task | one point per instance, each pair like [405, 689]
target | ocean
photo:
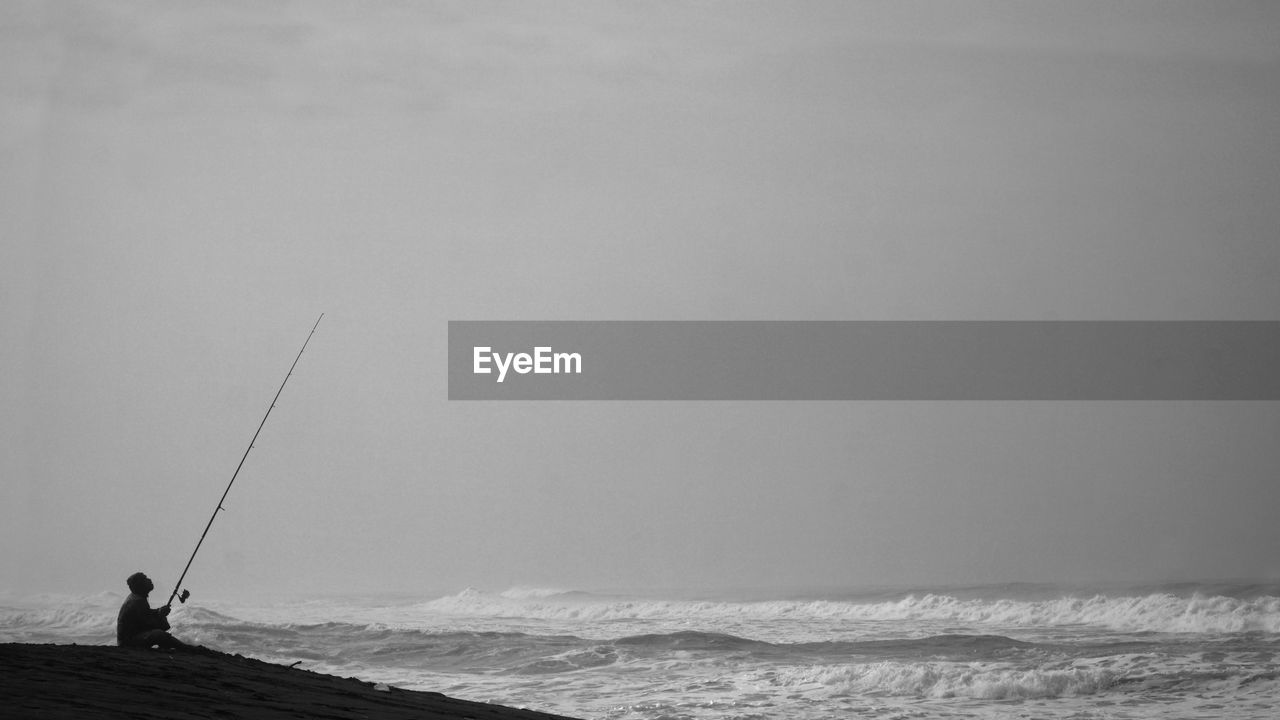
[1011, 651]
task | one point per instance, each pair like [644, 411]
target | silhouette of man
[138, 625]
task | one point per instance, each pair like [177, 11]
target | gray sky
[184, 187]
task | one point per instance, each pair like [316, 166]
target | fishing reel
[182, 597]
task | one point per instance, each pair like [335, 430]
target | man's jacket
[136, 617]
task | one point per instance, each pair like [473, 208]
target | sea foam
[943, 680]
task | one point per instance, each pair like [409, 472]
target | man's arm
[158, 618]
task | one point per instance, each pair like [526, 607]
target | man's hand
[164, 610]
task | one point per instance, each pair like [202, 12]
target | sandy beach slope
[91, 681]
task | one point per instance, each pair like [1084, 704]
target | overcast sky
[185, 186]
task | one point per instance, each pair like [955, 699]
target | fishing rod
[186, 594]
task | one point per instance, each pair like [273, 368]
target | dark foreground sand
[94, 681]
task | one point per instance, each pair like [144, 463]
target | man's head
[140, 584]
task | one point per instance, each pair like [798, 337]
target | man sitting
[138, 625]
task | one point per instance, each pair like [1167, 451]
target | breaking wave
[89, 619]
[1156, 612]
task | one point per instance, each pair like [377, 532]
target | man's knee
[152, 638]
